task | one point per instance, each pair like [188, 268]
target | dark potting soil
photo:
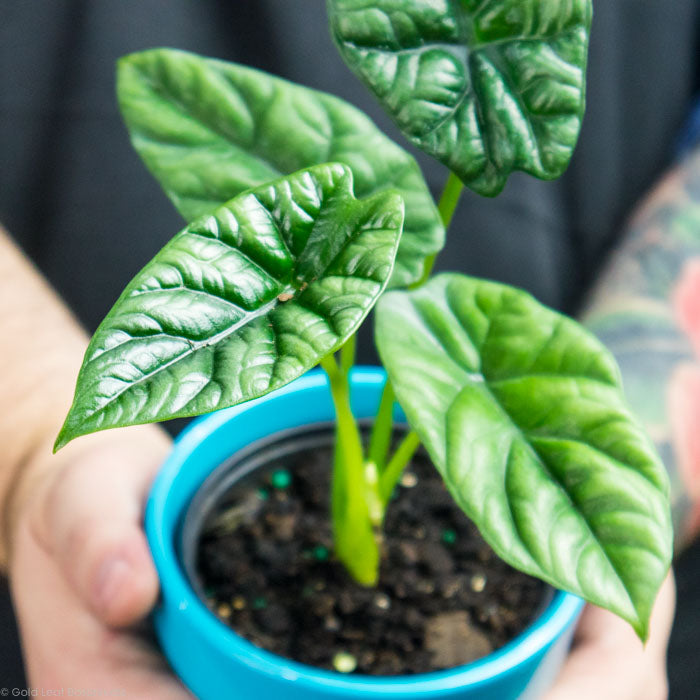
[443, 597]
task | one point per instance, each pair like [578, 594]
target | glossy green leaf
[522, 412]
[485, 86]
[208, 130]
[240, 302]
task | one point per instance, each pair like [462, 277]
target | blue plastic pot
[216, 663]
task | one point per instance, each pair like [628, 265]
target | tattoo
[646, 308]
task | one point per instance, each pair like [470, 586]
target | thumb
[89, 521]
[609, 661]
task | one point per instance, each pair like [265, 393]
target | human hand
[607, 660]
[81, 573]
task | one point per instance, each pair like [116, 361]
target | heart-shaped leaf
[522, 412]
[240, 302]
[485, 86]
[209, 130]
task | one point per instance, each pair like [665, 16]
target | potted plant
[302, 218]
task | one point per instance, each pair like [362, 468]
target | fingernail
[111, 576]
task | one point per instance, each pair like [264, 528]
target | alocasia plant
[300, 213]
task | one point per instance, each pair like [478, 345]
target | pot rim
[162, 530]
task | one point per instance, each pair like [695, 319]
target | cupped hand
[608, 662]
[82, 580]
[81, 573]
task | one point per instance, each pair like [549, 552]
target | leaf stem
[391, 475]
[446, 208]
[347, 354]
[382, 428]
[449, 199]
[355, 542]
[346, 425]
[329, 365]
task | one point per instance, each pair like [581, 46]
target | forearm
[41, 346]
[646, 309]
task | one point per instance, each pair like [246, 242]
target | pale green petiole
[380, 439]
[355, 539]
[391, 475]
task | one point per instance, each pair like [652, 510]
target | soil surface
[443, 597]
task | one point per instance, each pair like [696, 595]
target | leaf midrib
[194, 346]
[520, 433]
[168, 97]
[468, 37]
[188, 114]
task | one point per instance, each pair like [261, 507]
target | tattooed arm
[646, 309]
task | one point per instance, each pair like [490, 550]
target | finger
[90, 521]
[608, 661]
[66, 646]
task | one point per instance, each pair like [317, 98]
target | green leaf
[485, 86]
[240, 302]
[522, 412]
[209, 130]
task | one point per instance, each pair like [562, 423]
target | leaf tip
[125, 64]
[641, 628]
[68, 432]
[61, 441]
[396, 199]
[393, 203]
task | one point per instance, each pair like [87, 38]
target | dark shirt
[78, 200]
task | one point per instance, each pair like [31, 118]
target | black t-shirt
[78, 200]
